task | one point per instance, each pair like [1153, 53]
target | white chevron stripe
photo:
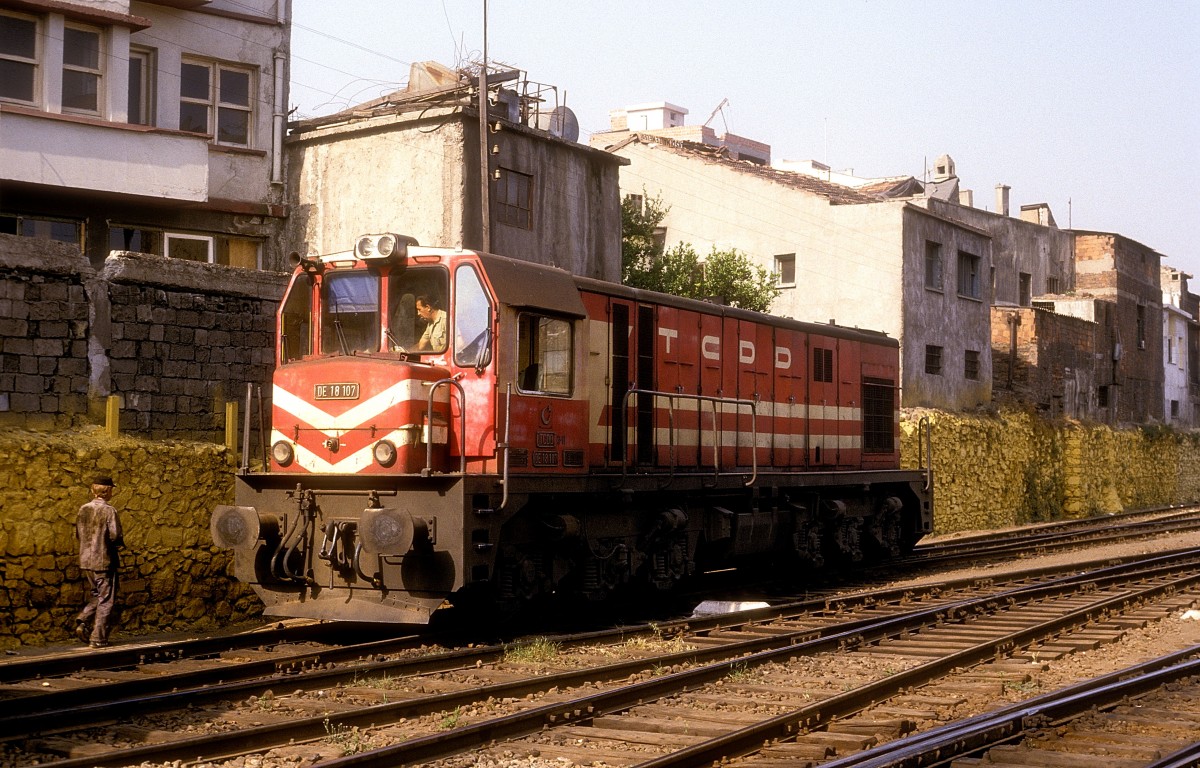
[331, 425]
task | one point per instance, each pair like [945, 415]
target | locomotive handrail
[505, 446]
[925, 445]
[462, 414]
[714, 402]
[246, 430]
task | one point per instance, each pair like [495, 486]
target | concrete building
[1181, 341]
[145, 126]
[839, 255]
[410, 163]
[667, 121]
[1029, 259]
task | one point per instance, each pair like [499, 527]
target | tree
[725, 276]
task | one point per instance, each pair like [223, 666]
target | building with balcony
[146, 126]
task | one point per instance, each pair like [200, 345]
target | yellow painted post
[112, 415]
[231, 425]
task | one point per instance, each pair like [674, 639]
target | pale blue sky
[1092, 107]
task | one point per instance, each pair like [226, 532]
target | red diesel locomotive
[451, 425]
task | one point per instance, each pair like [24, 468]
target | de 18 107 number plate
[335, 391]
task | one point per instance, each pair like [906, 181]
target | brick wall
[1053, 364]
[173, 339]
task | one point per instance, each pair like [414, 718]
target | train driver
[434, 338]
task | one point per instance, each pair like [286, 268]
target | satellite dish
[564, 124]
[560, 122]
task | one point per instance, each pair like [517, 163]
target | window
[350, 313]
[1102, 397]
[205, 88]
[18, 58]
[216, 249]
[190, 247]
[637, 202]
[822, 368]
[933, 265]
[1141, 326]
[1025, 288]
[968, 275]
[544, 354]
[933, 359]
[472, 320]
[141, 87]
[785, 269]
[1174, 409]
[295, 333]
[514, 198]
[236, 252]
[879, 419]
[132, 239]
[59, 230]
[81, 74]
[1051, 285]
[971, 364]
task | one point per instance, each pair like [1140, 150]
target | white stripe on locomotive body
[687, 439]
[363, 458]
[782, 411]
[356, 417]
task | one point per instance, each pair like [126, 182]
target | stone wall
[173, 339]
[172, 577]
[992, 471]
[1013, 467]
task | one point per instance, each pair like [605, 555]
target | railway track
[1050, 537]
[333, 709]
[1144, 716]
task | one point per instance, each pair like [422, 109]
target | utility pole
[484, 174]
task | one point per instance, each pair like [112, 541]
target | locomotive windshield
[366, 311]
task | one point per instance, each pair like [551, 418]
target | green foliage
[726, 276]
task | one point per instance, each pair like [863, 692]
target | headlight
[385, 453]
[282, 453]
[365, 248]
[385, 245]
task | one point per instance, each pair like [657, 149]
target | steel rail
[760, 650]
[1176, 511]
[40, 712]
[1189, 521]
[747, 739]
[989, 728]
[532, 720]
[132, 655]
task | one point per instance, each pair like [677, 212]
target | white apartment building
[146, 126]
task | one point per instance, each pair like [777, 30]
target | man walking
[98, 529]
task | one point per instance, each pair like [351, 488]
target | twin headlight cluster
[385, 246]
[284, 452]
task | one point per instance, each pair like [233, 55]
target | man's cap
[103, 480]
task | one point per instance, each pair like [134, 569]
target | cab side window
[545, 354]
[295, 336]
[472, 320]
